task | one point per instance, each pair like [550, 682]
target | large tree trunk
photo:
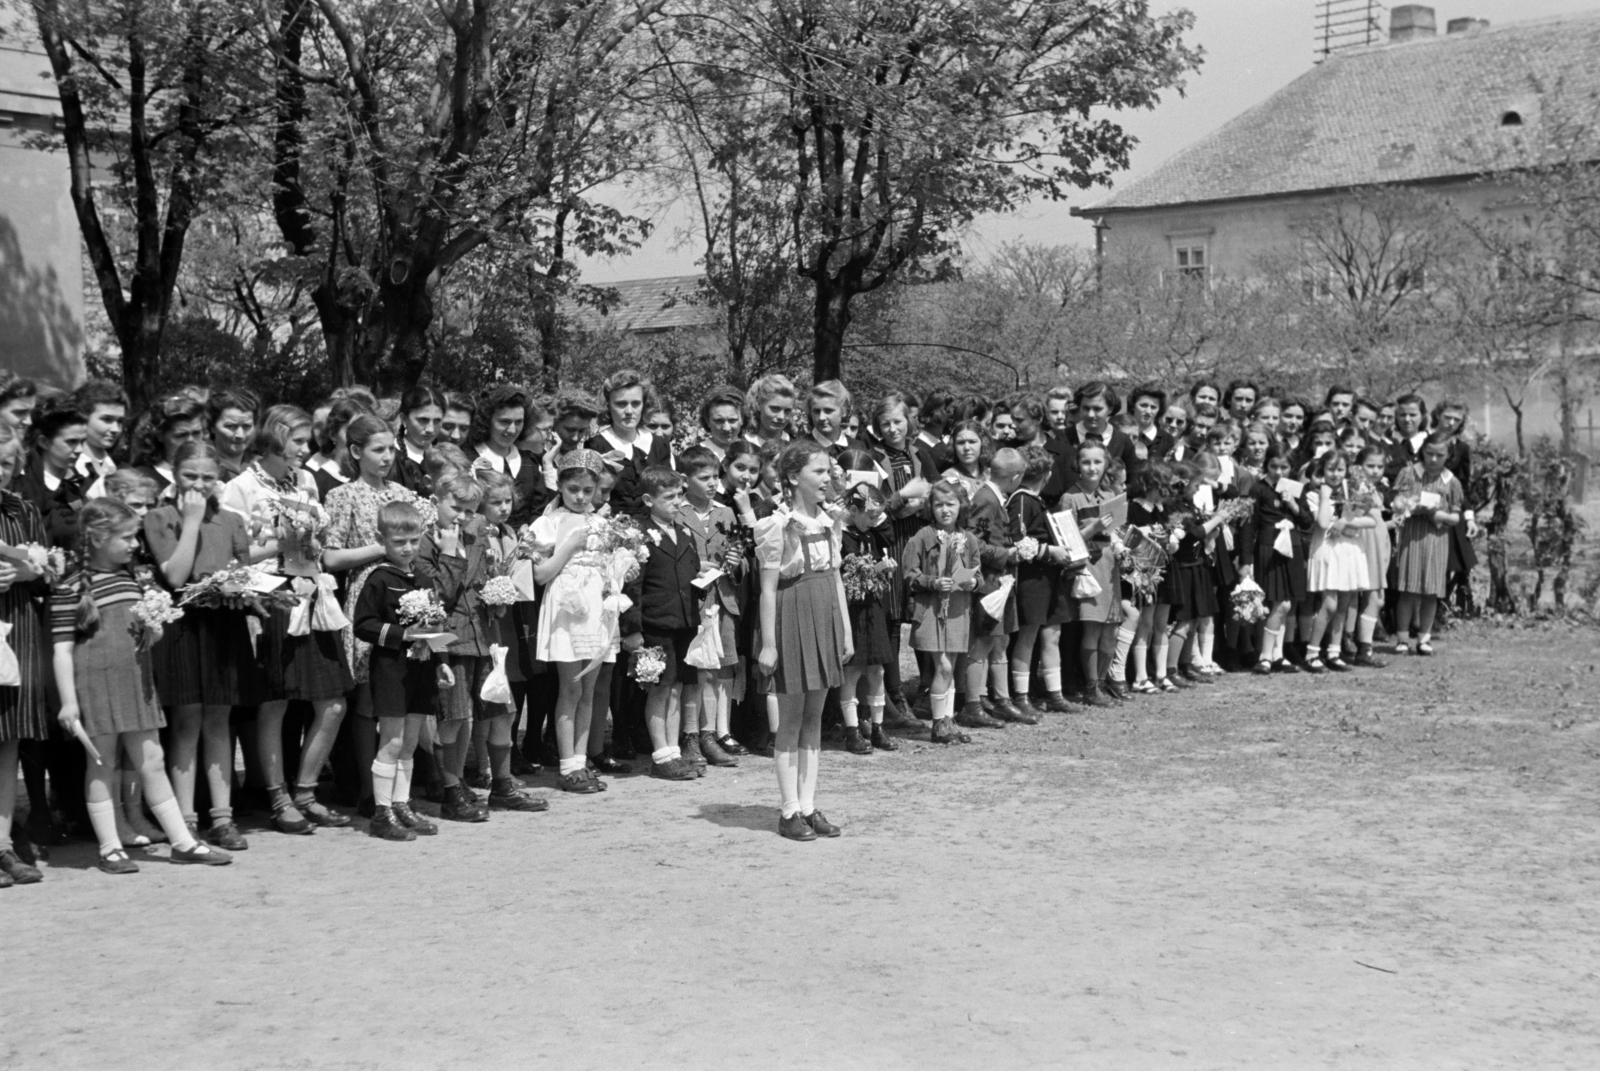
[830, 319]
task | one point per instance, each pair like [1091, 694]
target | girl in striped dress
[104, 675]
[1431, 503]
[22, 705]
[804, 639]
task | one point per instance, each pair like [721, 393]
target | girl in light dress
[576, 626]
[1424, 545]
[1337, 569]
[805, 638]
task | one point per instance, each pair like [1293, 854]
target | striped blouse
[109, 589]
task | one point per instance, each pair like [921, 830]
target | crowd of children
[427, 598]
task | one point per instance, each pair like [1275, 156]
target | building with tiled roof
[1425, 109]
[652, 306]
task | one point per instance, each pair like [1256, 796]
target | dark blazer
[408, 473]
[664, 599]
[1400, 456]
[59, 508]
[1065, 451]
[625, 495]
[988, 520]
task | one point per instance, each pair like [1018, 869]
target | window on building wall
[1192, 263]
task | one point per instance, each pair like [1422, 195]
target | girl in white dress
[1337, 568]
[577, 620]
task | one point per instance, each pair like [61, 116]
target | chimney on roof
[1466, 25]
[1410, 22]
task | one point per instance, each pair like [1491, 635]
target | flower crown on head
[581, 458]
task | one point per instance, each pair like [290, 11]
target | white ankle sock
[1052, 679]
[875, 707]
[1366, 625]
[572, 765]
[942, 704]
[170, 816]
[103, 816]
[383, 778]
[662, 754]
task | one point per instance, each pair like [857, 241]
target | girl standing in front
[275, 491]
[1337, 569]
[1431, 504]
[1099, 611]
[1272, 553]
[941, 569]
[104, 675]
[804, 639]
[23, 715]
[866, 539]
[204, 664]
[575, 624]
[1369, 484]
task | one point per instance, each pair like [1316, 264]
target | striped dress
[903, 466]
[22, 708]
[114, 679]
[1423, 556]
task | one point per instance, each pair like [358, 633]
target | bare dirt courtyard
[1391, 869]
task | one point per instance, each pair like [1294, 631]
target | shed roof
[1408, 112]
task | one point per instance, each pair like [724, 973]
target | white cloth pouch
[10, 671]
[705, 650]
[994, 603]
[496, 686]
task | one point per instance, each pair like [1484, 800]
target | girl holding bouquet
[1430, 502]
[941, 569]
[279, 498]
[805, 641]
[1369, 485]
[868, 570]
[204, 663]
[108, 691]
[1272, 552]
[575, 626]
[22, 703]
[1097, 602]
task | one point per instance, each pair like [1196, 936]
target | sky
[1253, 48]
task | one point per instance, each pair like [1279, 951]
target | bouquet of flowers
[421, 610]
[529, 549]
[1142, 554]
[47, 562]
[1237, 510]
[1027, 549]
[952, 546]
[626, 543]
[1249, 603]
[738, 538]
[648, 664]
[243, 587]
[499, 592]
[864, 577]
[151, 615]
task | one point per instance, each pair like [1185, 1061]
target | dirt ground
[1393, 869]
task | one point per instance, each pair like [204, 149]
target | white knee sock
[402, 780]
[1052, 679]
[1366, 625]
[1119, 661]
[875, 706]
[806, 778]
[1271, 644]
[787, 764]
[103, 816]
[1021, 681]
[941, 704]
[1208, 640]
[170, 816]
[847, 707]
[997, 679]
[1141, 660]
[383, 778]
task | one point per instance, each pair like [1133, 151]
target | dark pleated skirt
[869, 629]
[206, 658]
[811, 634]
[302, 667]
[1191, 590]
[1282, 580]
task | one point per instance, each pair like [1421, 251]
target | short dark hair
[98, 392]
[696, 459]
[659, 478]
[725, 396]
[399, 518]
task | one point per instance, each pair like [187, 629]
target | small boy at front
[665, 614]
[403, 686]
